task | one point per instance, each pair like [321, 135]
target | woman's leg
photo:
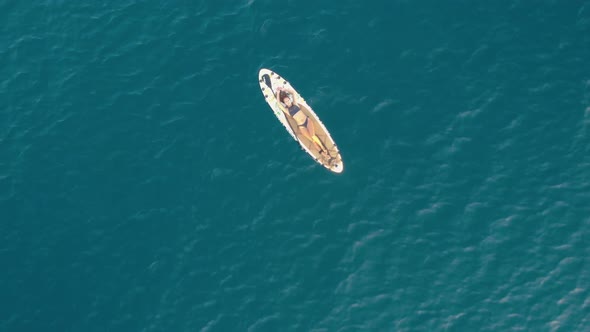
[311, 130]
[307, 135]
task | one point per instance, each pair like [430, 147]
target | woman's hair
[282, 95]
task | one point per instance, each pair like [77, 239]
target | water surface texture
[145, 185]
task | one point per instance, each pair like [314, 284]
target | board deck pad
[332, 160]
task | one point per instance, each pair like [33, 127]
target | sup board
[322, 147]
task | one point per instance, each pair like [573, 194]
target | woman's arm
[294, 95]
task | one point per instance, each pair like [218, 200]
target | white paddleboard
[328, 155]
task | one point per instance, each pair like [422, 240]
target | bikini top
[294, 109]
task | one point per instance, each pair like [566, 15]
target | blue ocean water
[145, 185]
